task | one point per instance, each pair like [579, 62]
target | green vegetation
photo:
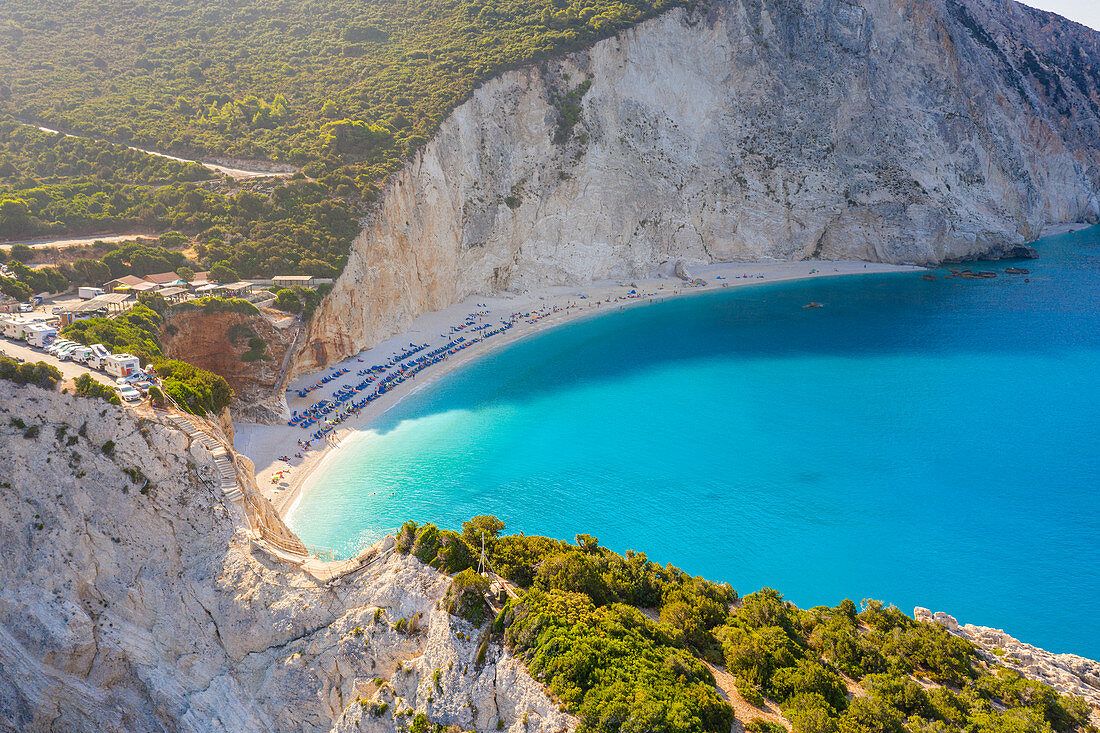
[216, 305]
[350, 86]
[39, 373]
[624, 642]
[256, 348]
[42, 280]
[466, 596]
[88, 387]
[299, 299]
[195, 390]
[53, 184]
[135, 332]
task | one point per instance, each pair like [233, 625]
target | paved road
[69, 369]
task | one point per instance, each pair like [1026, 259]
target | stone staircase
[227, 477]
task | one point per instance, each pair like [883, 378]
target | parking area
[69, 369]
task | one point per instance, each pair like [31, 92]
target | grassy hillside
[291, 80]
[623, 643]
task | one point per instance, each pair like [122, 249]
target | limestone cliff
[886, 130]
[1069, 674]
[130, 599]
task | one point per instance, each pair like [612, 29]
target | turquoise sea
[923, 443]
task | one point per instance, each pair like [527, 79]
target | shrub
[484, 526]
[466, 596]
[93, 389]
[38, 373]
[196, 390]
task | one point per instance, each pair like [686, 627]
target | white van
[80, 354]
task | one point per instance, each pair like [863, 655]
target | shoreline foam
[264, 443]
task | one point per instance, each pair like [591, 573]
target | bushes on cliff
[136, 332]
[466, 596]
[91, 388]
[612, 667]
[215, 304]
[38, 373]
[196, 390]
[579, 629]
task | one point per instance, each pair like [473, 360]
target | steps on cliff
[227, 477]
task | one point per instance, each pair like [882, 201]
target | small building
[107, 303]
[209, 289]
[121, 365]
[39, 334]
[238, 289]
[164, 279]
[123, 283]
[143, 287]
[173, 294]
[289, 281]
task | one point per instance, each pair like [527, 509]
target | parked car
[58, 345]
[26, 307]
[58, 309]
[129, 394]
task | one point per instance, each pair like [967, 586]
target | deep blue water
[923, 443]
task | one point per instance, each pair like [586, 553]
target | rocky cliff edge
[132, 599]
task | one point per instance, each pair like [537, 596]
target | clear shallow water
[924, 443]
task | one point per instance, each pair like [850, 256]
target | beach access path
[264, 444]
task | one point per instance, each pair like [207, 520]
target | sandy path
[78, 241]
[237, 173]
[265, 443]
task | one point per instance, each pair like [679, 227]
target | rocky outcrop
[1066, 673]
[131, 599]
[887, 130]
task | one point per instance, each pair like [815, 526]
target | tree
[92, 272]
[223, 273]
[484, 525]
[186, 273]
[286, 300]
[589, 545]
[21, 252]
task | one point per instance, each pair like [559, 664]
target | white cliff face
[1069, 674]
[130, 610]
[886, 130]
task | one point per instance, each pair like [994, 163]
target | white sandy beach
[263, 444]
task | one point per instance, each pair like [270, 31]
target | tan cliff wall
[205, 339]
[150, 610]
[886, 130]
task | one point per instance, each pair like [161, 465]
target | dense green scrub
[53, 184]
[39, 373]
[623, 643]
[293, 80]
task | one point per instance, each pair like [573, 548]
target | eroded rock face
[129, 610]
[220, 342]
[886, 130]
[1067, 673]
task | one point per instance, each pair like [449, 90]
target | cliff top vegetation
[625, 643]
[349, 81]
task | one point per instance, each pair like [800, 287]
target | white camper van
[122, 365]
